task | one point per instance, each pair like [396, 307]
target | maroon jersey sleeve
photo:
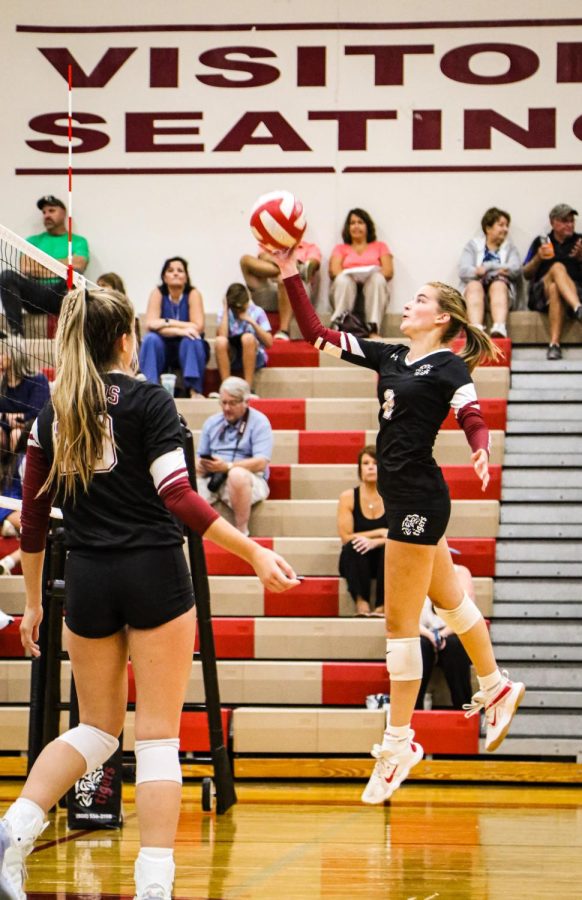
[36, 507]
[337, 343]
[170, 477]
[473, 424]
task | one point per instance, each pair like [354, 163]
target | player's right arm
[170, 477]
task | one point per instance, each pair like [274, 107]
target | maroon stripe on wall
[299, 26]
[323, 170]
[249, 170]
[558, 167]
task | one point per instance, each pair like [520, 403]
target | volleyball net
[32, 287]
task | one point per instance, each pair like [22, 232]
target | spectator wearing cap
[35, 288]
[553, 266]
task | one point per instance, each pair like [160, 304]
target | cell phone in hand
[205, 456]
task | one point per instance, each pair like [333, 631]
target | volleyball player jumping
[416, 388]
[108, 450]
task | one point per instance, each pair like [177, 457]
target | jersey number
[108, 459]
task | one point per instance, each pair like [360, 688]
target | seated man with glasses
[234, 453]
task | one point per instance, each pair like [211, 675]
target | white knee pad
[463, 617]
[157, 760]
[94, 745]
[404, 659]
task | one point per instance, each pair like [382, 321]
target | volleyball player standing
[108, 450]
[417, 387]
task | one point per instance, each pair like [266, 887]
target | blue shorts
[236, 354]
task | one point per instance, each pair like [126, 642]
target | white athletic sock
[26, 820]
[26, 808]
[153, 854]
[488, 682]
[154, 865]
[395, 733]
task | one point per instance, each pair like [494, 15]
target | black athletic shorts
[418, 523]
[106, 590]
[539, 302]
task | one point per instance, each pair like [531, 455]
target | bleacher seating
[296, 667]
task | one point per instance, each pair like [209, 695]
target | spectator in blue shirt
[23, 393]
[243, 334]
[234, 452]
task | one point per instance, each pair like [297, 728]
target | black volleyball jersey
[122, 508]
[415, 399]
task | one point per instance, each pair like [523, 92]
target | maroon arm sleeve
[473, 424]
[307, 319]
[186, 505]
[36, 510]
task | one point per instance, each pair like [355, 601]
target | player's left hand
[480, 462]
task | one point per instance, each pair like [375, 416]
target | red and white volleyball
[277, 220]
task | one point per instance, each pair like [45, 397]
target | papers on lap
[360, 273]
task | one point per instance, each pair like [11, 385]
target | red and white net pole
[70, 191]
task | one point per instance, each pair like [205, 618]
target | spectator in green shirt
[35, 288]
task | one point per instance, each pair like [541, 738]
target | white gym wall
[134, 221]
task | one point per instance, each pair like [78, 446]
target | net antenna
[70, 189]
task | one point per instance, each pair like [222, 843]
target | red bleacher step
[10, 644]
[464, 484]
[7, 546]
[234, 638]
[503, 344]
[221, 562]
[478, 554]
[446, 731]
[279, 483]
[313, 597]
[348, 684]
[194, 735]
[283, 413]
[293, 354]
[329, 447]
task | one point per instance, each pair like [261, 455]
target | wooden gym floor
[317, 840]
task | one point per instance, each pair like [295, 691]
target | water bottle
[546, 242]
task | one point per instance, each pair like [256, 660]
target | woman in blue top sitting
[23, 392]
[175, 324]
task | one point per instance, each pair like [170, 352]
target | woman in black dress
[363, 529]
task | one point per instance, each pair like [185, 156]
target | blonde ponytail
[89, 325]
[478, 345]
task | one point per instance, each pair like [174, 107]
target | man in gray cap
[35, 288]
[553, 266]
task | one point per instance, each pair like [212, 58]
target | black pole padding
[94, 801]
[225, 791]
[45, 685]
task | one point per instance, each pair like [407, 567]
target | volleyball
[277, 220]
